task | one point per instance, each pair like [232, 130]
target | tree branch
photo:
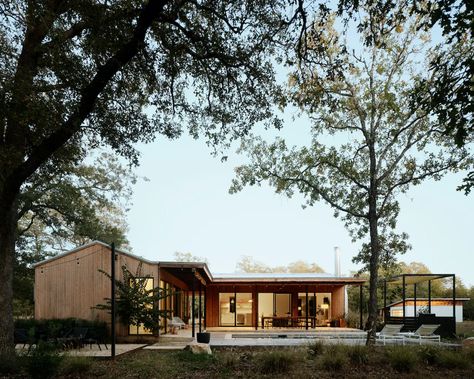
[89, 95]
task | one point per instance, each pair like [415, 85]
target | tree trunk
[374, 240]
[8, 225]
[373, 281]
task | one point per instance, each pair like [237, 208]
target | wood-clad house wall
[338, 302]
[71, 285]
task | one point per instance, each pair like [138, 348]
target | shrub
[402, 359]
[358, 354]
[43, 361]
[53, 328]
[469, 353]
[334, 358]
[315, 348]
[75, 365]
[429, 354]
[230, 361]
[275, 362]
[453, 359]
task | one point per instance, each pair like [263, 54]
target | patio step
[325, 335]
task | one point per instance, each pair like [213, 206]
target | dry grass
[264, 362]
[465, 329]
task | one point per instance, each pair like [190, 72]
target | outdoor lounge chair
[177, 322]
[390, 332]
[75, 338]
[424, 333]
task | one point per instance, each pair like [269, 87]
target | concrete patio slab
[86, 351]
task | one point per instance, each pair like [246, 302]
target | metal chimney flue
[337, 262]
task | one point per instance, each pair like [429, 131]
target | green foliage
[315, 348]
[75, 366]
[275, 362]
[75, 204]
[78, 75]
[43, 361]
[135, 302]
[358, 354]
[429, 354]
[188, 257]
[368, 145]
[453, 359]
[53, 328]
[248, 264]
[402, 358]
[67, 207]
[334, 358]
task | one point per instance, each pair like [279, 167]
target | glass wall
[271, 305]
[319, 307]
[265, 306]
[227, 309]
[140, 329]
[323, 309]
[235, 309]
[244, 309]
[282, 304]
[302, 305]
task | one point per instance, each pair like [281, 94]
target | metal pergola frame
[407, 279]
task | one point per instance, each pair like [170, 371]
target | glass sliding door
[244, 309]
[227, 309]
[265, 307]
[282, 304]
[302, 311]
[140, 328]
[323, 306]
[235, 309]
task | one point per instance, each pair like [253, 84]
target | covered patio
[410, 323]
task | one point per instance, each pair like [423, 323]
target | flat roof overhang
[188, 271]
[415, 278]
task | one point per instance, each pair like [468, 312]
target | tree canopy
[188, 257]
[249, 264]
[74, 204]
[76, 75]
[65, 208]
[369, 144]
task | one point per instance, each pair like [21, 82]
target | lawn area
[317, 360]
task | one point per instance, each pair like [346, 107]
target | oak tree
[75, 75]
[368, 143]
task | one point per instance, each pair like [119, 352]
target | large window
[274, 304]
[140, 329]
[235, 309]
[282, 304]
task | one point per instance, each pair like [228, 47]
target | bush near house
[53, 328]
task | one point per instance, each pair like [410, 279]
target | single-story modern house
[71, 285]
[440, 307]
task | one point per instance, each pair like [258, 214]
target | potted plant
[203, 337]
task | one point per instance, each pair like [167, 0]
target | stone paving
[87, 351]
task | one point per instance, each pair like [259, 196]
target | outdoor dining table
[288, 321]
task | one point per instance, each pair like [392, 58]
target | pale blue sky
[186, 207]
